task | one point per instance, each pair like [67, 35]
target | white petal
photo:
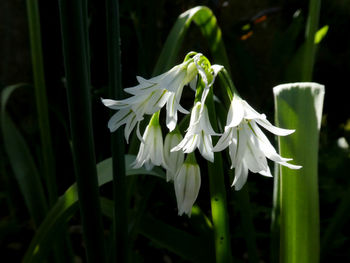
[266, 173]
[224, 141]
[233, 151]
[115, 104]
[291, 166]
[187, 184]
[275, 130]
[142, 88]
[138, 133]
[192, 143]
[255, 159]
[118, 119]
[172, 160]
[205, 147]
[157, 153]
[241, 148]
[264, 144]
[130, 125]
[205, 122]
[241, 175]
[250, 113]
[235, 113]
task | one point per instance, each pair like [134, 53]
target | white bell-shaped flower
[151, 147]
[150, 95]
[187, 184]
[198, 134]
[248, 145]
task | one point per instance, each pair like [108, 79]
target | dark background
[257, 64]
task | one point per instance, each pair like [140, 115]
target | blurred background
[262, 39]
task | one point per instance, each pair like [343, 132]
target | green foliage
[22, 162]
[299, 106]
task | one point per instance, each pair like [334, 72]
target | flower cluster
[248, 146]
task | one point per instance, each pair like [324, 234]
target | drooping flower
[150, 95]
[198, 134]
[187, 183]
[151, 147]
[248, 145]
[173, 160]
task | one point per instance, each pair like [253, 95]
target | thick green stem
[121, 244]
[310, 46]
[218, 199]
[77, 68]
[41, 99]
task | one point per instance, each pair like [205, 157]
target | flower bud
[187, 183]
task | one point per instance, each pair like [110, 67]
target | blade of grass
[120, 238]
[299, 106]
[41, 99]
[74, 40]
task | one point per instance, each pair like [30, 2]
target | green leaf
[22, 162]
[204, 18]
[299, 107]
[66, 206]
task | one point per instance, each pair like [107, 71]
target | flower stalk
[218, 200]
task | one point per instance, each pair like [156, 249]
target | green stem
[121, 244]
[218, 199]
[311, 29]
[63, 242]
[247, 223]
[77, 68]
[242, 196]
[41, 99]
[275, 217]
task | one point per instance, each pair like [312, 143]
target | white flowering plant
[248, 147]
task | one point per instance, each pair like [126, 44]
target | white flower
[248, 145]
[187, 183]
[123, 116]
[150, 95]
[151, 146]
[198, 134]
